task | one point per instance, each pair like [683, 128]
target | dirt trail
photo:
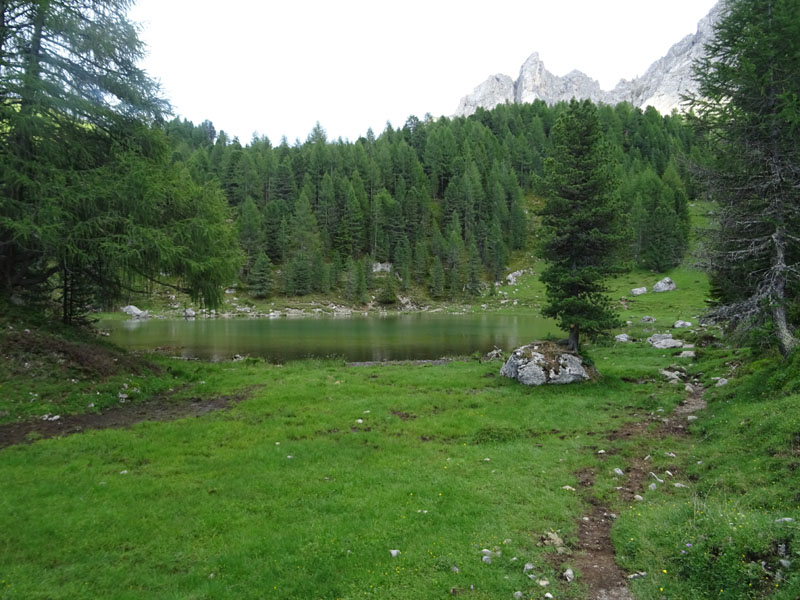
[596, 559]
[159, 409]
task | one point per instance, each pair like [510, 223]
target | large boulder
[545, 362]
[135, 312]
[665, 285]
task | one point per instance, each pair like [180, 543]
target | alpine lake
[355, 338]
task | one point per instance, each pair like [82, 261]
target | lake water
[417, 336]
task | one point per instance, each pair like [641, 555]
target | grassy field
[304, 488]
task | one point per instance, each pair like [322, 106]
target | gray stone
[568, 575]
[622, 337]
[722, 382]
[681, 324]
[647, 319]
[189, 314]
[664, 341]
[687, 354]
[544, 363]
[135, 312]
[638, 291]
[665, 285]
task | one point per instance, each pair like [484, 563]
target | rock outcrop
[544, 362]
[662, 85]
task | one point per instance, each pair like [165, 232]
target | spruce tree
[581, 225]
[261, 280]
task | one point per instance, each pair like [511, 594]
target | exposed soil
[162, 408]
[596, 560]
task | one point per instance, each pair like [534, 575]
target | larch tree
[581, 225]
[748, 109]
[89, 203]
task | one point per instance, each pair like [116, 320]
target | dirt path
[162, 408]
[596, 559]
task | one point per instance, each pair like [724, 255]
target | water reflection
[417, 336]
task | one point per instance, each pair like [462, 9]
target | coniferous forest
[443, 200]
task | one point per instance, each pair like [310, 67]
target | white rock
[687, 354]
[664, 341]
[619, 472]
[721, 382]
[622, 337]
[638, 498]
[679, 485]
[394, 553]
[537, 364]
[638, 291]
[543, 582]
[681, 324]
[568, 575]
[665, 285]
[188, 313]
[527, 567]
[134, 312]
[648, 319]
[569, 488]
[659, 480]
[487, 559]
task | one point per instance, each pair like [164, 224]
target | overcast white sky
[277, 67]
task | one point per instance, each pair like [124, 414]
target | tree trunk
[572, 340]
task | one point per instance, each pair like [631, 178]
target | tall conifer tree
[581, 225]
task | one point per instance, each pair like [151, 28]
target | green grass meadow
[302, 489]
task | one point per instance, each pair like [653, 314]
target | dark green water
[397, 337]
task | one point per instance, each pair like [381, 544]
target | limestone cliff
[662, 86]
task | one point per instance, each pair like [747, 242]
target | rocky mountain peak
[662, 86]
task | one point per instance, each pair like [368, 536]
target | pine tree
[581, 225]
[747, 104]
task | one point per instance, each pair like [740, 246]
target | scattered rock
[543, 582]
[679, 485]
[619, 472]
[568, 575]
[545, 363]
[681, 324]
[568, 488]
[496, 354]
[687, 354]
[552, 539]
[664, 341]
[623, 337]
[638, 498]
[188, 313]
[637, 575]
[487, 559]
[638, 291]
[722, 382]
[527, 567]
[394, 553]
[511, 278]
[665, 285]
[647, 319]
